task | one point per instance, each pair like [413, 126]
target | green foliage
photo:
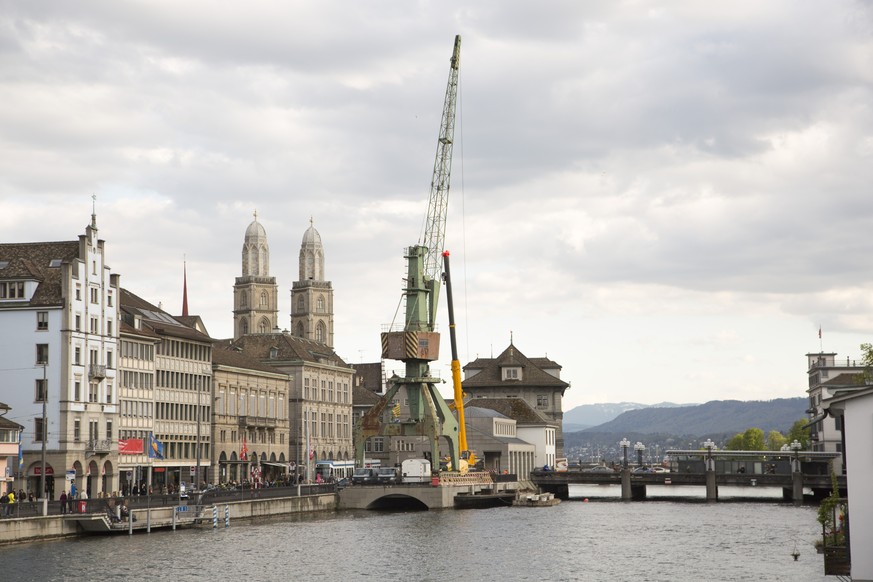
[753, 439]
[827, 508]
[775, 440]
[735, 443]
[798, 433]
[867, 362]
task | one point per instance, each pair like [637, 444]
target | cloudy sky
[667, 198]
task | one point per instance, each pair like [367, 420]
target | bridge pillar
[626, 493]
[638, 492]
[797, 488]
[711, 486]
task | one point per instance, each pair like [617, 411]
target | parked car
[365, 476]
[387, 475]
[599, 469]
[643, 470]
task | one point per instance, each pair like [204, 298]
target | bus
[336, 470]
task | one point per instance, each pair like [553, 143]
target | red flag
[130, 447]
[244, 454]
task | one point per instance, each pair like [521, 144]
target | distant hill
[715, 417]
[590, 415]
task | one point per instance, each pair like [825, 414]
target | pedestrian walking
[63, 502]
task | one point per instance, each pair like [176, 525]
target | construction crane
[417, 344]
[468, 457]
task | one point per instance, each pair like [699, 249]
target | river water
[601, 539]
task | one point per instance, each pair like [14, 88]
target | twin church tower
[256, 293]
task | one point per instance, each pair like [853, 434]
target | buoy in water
[586, 500]
[795, 554]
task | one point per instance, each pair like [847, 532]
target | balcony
[96, 372]
[256, 422]
[98, 447]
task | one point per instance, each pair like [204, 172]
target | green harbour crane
[415, 342]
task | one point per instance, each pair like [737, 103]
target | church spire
[184, 288]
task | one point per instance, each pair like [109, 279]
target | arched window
[300, 330]
[243, 299]
[320, 304]
[264, 326]
[265, 300]
[244, 327]
[300, 304]
[320, 332]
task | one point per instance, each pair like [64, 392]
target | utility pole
[43, 438]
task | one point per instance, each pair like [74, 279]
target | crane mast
[417, 344]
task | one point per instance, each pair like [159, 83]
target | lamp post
[43, 438]
[624, 445]
[709, 446]
[639, 448]
[796, 446]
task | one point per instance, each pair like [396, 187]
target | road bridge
[792, 471]
[439, 494]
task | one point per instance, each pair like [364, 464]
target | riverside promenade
[161, 511]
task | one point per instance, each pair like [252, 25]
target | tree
[867, 361]
[753, 439]
[799, 433]
[775, 440]
[735, 443]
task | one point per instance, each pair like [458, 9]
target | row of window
[185, 350]
[137, 351]
[319, 304]
[311, 423]
[137, 408]
[94, 358]
[255, 436]
[40, 430]
[182, 380]
[263, 304]
[137, 380]
[183, 412]
[340, 396]
[11, 289]
[251, 403]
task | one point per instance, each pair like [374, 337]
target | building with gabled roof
[320, 410]
[182, 392]
[59, 316]
[536, 381]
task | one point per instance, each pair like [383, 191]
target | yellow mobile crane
[468, 457]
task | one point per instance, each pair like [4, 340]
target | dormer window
[512, 373]
[274, 353]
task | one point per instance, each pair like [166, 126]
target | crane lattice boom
[437, 208]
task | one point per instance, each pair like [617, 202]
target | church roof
[311, 236]
[256, 230]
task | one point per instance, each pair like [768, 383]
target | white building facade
[58, 355]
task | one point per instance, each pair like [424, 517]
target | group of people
[10, 499]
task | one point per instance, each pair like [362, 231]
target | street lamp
[639, 448]
[709, 446]
[624, 445]
[796, 446]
